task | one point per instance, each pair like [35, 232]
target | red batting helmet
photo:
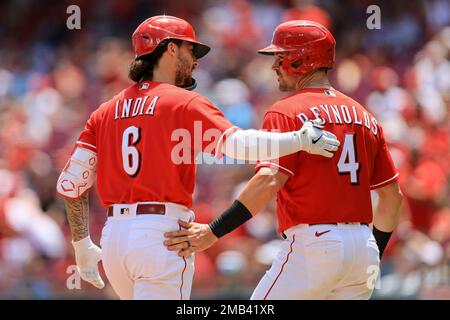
[307, 46]
[155, 30]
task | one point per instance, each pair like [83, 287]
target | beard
[183, 73]
[283, 83]
[282, 86]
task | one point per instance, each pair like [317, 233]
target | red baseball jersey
[147, 138]
[323, 190]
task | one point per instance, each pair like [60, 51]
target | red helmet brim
[272, 49]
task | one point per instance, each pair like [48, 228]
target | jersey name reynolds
[342, 114]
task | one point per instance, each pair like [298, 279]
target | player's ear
[172, 49]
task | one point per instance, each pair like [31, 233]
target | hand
[87, 256]
[196, 237]
[314, 140]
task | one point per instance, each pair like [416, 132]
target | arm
[77, 211]
[87, 254]
[256, 145]
[387, 214]
[261, 188]
[258, 192]
[253, 145]
[74, 183]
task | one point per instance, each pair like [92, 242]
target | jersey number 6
[347, 163]
[131, 158]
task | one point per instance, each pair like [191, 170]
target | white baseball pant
[137, 264]
[334, 262]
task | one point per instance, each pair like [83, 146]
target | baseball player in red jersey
[140, 147]
[323, 206]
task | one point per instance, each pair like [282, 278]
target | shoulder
[349, 101]
[288, 107]
[108, 107]
[280, 116]
[103, 109]
[176, 93]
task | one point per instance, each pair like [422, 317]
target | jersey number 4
[131, 158]
[347, 163]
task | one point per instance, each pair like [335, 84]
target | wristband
[382, 239]
[232, 218]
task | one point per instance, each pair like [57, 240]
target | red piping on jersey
[282, 267]
[182, 274]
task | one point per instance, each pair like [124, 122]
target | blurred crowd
[52, 78]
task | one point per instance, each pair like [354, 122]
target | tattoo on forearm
[78, 216]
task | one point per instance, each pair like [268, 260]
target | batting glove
[87, 256]
[314, 140]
